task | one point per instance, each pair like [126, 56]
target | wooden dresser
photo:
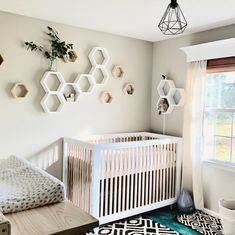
[57, 219]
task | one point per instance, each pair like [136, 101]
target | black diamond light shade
[173, 21]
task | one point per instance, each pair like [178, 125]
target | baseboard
[210, 212]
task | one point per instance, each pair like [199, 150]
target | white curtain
[192, 131]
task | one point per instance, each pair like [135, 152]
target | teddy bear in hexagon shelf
[170, 96]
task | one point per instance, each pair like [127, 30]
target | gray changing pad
[24, 186]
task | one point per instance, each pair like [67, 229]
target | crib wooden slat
[132, 178]
[154, 154]
[123, 180]
[111, 183]
[128, 180]
[140, 160]
[164, 173]
[136, 163]
[151, 167]
[115, 182]
[119, 170]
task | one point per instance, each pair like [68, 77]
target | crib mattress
[23, 186]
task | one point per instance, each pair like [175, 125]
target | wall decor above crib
[19, 90]
[1, 59]
[71, 56]
[58, 92]
[52, 83]
[169, 96]
[106, 97]
[85, 83]
[128, 89]
[118, 72]
[59, 49]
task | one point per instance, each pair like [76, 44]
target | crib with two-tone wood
[119, 175]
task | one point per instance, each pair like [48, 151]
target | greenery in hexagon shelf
[59, 49]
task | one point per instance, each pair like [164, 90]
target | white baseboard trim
[210, 212]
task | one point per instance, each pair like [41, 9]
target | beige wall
[169, 59]
[25, 129]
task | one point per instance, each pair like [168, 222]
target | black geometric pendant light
[173, 21]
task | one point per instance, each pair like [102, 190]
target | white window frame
[205, 51]
[225, 165]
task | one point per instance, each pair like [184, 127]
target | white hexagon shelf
[52, 81]
[19, 90]
[52, 102]
[176, 97]
[118, 72]
[164, 87]
[99, 56]
[85, 83]
[70, 92]
[106, 97]
[163, 106]
[99, 74]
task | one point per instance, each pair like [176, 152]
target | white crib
[120, 175]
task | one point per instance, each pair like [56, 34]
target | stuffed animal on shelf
[162, 106]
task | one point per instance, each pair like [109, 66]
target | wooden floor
[58, 219]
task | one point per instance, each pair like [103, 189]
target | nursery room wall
[26, 129]
[170, 60]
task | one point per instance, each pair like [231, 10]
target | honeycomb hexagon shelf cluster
[172, 96]
[58, 91]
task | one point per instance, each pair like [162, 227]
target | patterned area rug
[135, 226]
[202, 223]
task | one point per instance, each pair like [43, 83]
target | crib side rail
[78, 172]
[139, 175]
[127, 137]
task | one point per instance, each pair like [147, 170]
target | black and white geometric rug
[135, 226]
[202, 223]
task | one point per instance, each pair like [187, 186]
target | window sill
[220, 165]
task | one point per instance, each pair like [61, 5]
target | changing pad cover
[24, 186]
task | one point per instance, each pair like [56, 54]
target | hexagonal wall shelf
[52, 103]
[85, 83]
[71, 57]
[118, 72]
[163, 106]
[100, 75]
[70, 92]
[128, 89]
[19, 90]
[164, 87]
[106, 97]
[176, 97]
[1, 59]
[52, 81]
[99, 56]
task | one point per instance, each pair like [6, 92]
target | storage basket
[227, 215]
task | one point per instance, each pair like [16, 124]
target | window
[219, 111]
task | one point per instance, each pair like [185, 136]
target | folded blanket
[24, 186]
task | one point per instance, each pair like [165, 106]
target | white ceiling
[132, 18]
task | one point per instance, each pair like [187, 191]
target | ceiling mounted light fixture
[173, 21]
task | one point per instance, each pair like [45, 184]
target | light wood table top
[57, 219]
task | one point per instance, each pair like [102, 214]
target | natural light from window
[219, 117]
